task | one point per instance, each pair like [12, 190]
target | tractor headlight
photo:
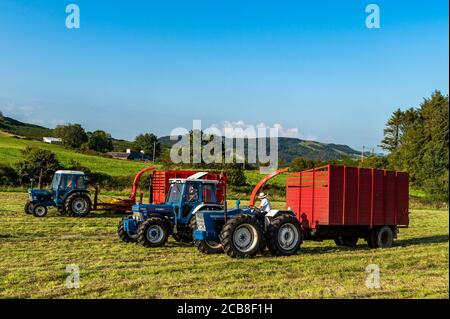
[200, 221]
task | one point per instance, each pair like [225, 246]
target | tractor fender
[203, 206]
[80, 191]
[163, 217]
[275, 213]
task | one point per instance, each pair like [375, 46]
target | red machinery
[263, 182]
[339, 195]
[347, 203]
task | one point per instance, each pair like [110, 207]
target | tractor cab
[66, 181]
[188, 196]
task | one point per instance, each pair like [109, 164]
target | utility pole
[154, 150]
[362, 154]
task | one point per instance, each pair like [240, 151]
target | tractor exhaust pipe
[225, 205]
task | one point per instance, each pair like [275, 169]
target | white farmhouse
[52, 140]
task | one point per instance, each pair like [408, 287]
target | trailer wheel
[241, 237]
[346, 241]
[39, 210]
[123, 235]
[28, 209]
[78, 204]
[153, 232]
[284, 236]
[384, 237]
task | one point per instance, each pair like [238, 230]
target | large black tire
[205, 246]
[241, 237]
[384, 237]
[208, 247]
[371, 242]
[28, 209]
[78, 204]
[284, 235]
[123, 235]
[39, 210]
[346, 241]
[153, 232]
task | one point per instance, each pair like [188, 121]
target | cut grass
[34, 254]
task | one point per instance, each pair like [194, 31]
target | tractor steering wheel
[256, 209]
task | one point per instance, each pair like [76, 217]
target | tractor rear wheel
[153, 232]
[241, 236]
[39, 210]
[78, 204]
[28, 209]
[123, 234]
[284, 235]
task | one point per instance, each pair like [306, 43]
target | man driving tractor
[265, 205]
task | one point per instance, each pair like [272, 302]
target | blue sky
[137, 66]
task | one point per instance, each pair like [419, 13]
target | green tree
[8, 175]
[301, 164]
[146, 142]
[38, 164]
[422, 148]
[235, 174]
[392, 132]
[73, 135]
[100, 141]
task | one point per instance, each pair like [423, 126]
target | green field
[34, 254]
[10, 153]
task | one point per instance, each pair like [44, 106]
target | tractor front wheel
[39, 210]
[242, 237]
[123, 234]
[208, 247]
[153, 232]
[28, 209]
[78, 205]
[284, 236]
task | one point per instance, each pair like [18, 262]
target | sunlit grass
[34, 253]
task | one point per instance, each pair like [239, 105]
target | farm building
[130, 155]
[52, 140]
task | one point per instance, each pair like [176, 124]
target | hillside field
[10, 148]
[34, 254]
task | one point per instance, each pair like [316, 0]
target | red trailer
[348, 203]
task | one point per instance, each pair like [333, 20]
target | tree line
[74, 136]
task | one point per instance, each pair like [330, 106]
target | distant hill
[27, 130]
[290, 148]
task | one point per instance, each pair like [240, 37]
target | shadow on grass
[421, 240]
[363, 246]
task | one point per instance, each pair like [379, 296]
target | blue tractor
[151, 224]
[68, 193]
[244, 232]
